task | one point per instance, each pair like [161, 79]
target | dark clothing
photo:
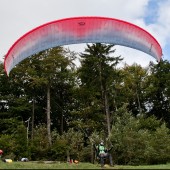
[103, 153]
[103, 157]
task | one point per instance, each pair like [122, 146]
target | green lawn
[58, 165]
[42, 165]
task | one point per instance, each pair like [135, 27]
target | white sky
[20, 16]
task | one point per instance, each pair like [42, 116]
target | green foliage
[20, 137]
[70, 143]
[98, 77]
[59, 149]
[135, 143]
[85, 154]
[7, 143]
[96, 137]
[149, 123]
[132, 89]
[157, 148]
[9, 126]
[14, 144]
[158, 90]
[39, 145]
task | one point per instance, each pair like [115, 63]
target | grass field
[58, 165]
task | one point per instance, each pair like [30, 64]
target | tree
[158, 91]
[46, 72]
[139, 140]
[133, 87]
[97, 75]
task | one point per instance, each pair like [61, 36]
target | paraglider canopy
[81, 30]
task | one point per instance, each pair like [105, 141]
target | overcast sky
[20, 16]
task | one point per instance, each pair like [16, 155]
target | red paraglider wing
[81, 30]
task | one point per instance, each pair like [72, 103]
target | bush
[39, 146]
[157, 149]
[85, 154]
[134, 143]
[20, 136]
[7, 144]
[59, 149]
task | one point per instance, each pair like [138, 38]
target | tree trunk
[107, 112]
[92, 154]
[33, 112]
[62, 116]
[139, 105]
[62, 123]
[48, 115]
[68, 155]
[104, 100]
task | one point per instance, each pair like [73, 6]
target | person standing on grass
[103, 153]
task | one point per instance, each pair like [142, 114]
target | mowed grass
[47, 165]
[59, 165]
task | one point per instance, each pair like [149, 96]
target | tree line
[51, 109]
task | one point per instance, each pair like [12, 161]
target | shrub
[39, 146]
[134, 143]
[7, 144]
